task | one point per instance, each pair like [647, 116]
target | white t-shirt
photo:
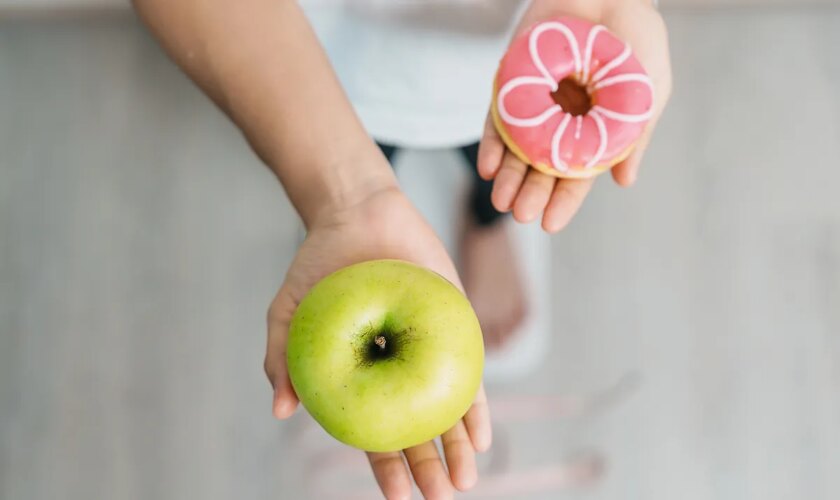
[419, 72]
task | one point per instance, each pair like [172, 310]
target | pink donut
[570, 99]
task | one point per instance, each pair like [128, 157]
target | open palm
[526, 191]
[384, 226]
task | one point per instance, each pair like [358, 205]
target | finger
[460, 457]
[285, 400]
[477, 422]
[391, 475]
[508, 181]
[427, 469]
[626, 172]
[533, 196]
[565, 201]
[654, 56]
[490, 151]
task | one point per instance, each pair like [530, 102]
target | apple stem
[380, 341]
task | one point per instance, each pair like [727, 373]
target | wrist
[338, 187]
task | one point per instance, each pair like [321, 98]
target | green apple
[385, 354]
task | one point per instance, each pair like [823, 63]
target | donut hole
[572, 97]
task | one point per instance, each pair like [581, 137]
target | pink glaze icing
[620, 90]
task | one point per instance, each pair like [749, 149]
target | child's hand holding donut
[605, 111]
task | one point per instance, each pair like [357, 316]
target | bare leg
[492, 279]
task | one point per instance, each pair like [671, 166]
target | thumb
[279, 316]
[626, 172]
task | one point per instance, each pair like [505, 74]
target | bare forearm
[260, 61]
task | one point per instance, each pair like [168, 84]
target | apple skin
[376, 399]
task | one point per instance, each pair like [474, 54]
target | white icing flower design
[582, 72]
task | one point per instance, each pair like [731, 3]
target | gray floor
[140, 243]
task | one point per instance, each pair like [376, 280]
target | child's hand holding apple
[383, 226]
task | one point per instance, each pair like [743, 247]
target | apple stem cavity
[380, 342]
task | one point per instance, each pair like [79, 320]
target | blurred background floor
[141, 242]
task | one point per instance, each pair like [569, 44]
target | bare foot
[492, 280]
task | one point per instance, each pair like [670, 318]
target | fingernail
[466, 480]
[277, 406]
